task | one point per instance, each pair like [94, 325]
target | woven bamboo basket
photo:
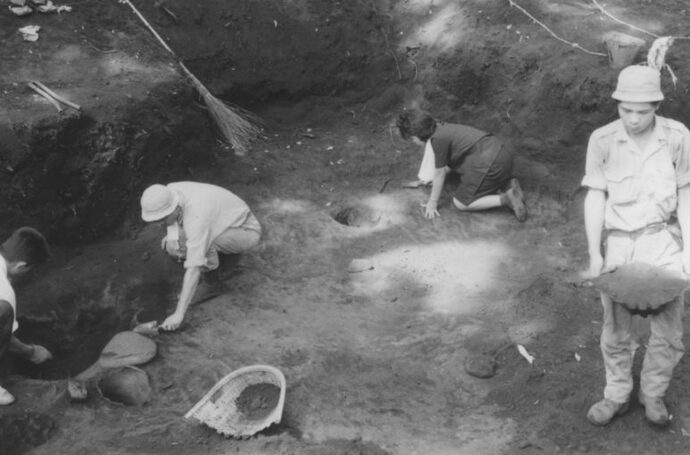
[218, 408]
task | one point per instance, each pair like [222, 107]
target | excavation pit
[357, 216]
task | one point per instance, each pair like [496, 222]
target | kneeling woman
[483, 162]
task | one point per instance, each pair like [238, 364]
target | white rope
[601, 8]
[570, 43]
[634, 27]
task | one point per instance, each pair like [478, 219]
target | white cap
[638, 84]
[157, 202]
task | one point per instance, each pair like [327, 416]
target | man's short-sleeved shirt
[207, 211]
[7, 292]
[641, 185]
[452, 142]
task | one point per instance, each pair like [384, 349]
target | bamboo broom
[237, 129]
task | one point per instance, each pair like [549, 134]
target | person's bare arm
[31, 352]
[431, 207]
[189, 285]
[595, 205]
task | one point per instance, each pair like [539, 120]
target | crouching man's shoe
[206, 291]
[603, 411]
[654, 409]
[209, 286]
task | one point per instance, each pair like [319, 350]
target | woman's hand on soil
[431, 210]
[172, 322]
[39, 354]
[415, 184]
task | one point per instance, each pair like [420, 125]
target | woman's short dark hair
[26, 244]
[417, 123]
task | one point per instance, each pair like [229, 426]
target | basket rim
[240, 372]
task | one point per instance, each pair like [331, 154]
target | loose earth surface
[374, 355]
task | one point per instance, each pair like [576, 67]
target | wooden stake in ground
[238, 127]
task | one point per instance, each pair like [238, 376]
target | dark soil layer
[23, 431]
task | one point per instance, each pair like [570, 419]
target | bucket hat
[638, 84]
[157, 202]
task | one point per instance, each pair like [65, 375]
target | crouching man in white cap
[637, 174]
[202, 220]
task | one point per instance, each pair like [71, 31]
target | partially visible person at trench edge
[202, 220]
[483, 162]
[24, 249]
[637, 176]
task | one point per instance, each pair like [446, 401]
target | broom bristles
[237, 126]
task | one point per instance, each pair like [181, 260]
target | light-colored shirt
[641, 185]
[207, 211]
[7, 292]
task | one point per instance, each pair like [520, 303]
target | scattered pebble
[481, 366]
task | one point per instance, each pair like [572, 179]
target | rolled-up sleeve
[594, 165]
[683, 159]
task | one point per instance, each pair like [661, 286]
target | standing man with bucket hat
[637, 175]
[202, 220]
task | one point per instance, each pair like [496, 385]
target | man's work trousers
[665, 348]
[234, 241]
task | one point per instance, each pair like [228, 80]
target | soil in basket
[258, 400]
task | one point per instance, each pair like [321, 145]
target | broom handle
[204, 91]
[143, 19]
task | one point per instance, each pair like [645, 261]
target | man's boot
[603, 411]
[209, 286]
[654, 409]
[227, 263]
